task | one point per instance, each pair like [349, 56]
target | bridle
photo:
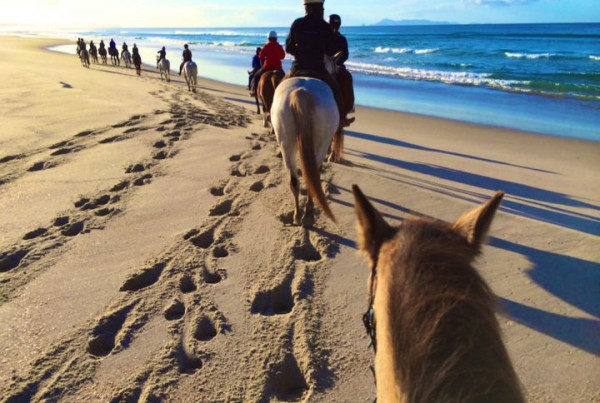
[369, 316]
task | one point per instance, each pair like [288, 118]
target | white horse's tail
[302, 104]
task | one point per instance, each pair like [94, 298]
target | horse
[94, 54]
[114, 56]
[84, 56]
[304, 116]
[265, 90]
[102, 52]
[164, 66]
[190, 72]
[137, 62]
[126, 58]
[431, 316]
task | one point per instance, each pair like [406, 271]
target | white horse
[305, 117]
[84, 56]
[164, 66]
[126, 58]
[190, 72]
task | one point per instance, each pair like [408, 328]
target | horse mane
[447, 338]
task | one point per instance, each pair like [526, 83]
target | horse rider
[93, 49]
[272, 53]
[82, 45]
[187, 57]
[137, 59]
[102, 45]
[256, 64]
[123, 48]
[162, 54]
[309, 40]
[112, 44]
[343, 76]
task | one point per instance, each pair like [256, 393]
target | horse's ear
[371, 227]
[475, 224]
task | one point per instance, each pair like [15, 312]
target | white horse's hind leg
[295, 187]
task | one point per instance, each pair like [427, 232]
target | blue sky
[238, 13]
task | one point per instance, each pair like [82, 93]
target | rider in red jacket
[272, 54]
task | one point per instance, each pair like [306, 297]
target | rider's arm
[290, 42]
[345, 53]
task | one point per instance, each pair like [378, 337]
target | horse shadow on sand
[573, 280]
[527, 201]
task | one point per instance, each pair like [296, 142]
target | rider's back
[310, 39]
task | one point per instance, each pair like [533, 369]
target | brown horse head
[435, 330]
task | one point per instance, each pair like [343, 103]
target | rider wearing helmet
[256, 64]
[272, 54]
[187, 57]
[309, 40]
[343, 76]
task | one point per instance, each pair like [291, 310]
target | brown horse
[265, 90]
[431, 316]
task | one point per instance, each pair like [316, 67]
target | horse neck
[386, 368]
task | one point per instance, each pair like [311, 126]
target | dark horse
[94, 54]
[431, 315]
[114, 56]
[265, 90]
[102, 52]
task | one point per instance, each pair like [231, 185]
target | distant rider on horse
[272, 53]
[343, 76]
[162, 54]
[137, 59]
[309, 40]
[112, 44]
[123, 48]
[256, 65]
[187, 57]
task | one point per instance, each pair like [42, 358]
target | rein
[369, 318]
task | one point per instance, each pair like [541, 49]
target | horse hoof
[308, 221]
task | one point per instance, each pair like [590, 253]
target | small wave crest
[448, 77]
[597, 58]
[529, 55]
[381, 49]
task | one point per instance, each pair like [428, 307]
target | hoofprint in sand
[147, 250]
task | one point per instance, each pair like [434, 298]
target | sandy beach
[146, 251]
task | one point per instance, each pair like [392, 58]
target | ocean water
[543, 78]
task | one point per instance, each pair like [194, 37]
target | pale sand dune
[180, 279]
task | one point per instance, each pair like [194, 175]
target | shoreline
[146, 224]
[480, 105]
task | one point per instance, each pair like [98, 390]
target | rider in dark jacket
[187, 57]
[342, 75]
[162, 54]
[309, 40]
[123, 48]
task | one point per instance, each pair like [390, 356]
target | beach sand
[146, 251]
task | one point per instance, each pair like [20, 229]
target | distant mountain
[388, 22]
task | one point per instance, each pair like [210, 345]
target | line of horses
[190, 69]
[430, 316]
